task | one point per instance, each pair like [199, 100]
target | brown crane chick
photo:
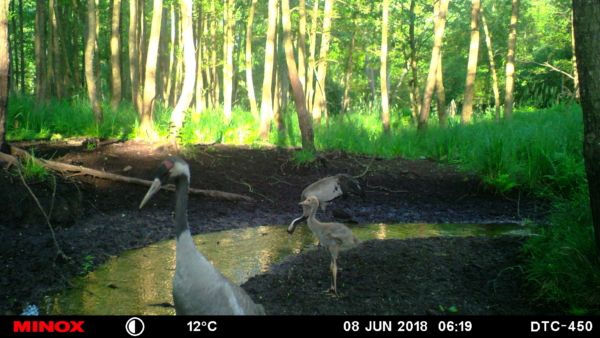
[333, 236]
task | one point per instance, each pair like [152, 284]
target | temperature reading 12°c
[199, 326]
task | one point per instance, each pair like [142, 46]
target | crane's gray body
[198, 287]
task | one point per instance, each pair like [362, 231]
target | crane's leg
[334, 253]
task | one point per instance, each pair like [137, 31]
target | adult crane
[198, 287]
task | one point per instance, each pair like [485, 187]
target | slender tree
[320, 101]
[348, 72]
[490, 50]
[467, 108]
[383, 78]
[41, 77]
[266, 105]
[200, 103]
[304, 119]
[21, 49]
[249, 78]
[229, 24]
[587, 47]
[4, 66]
[115, 53]
[440, 15]
[312, 49]
[440, 93]
[415, 98]
[510, 61]
[90, 77]
[133, 51]
[302, 43]
[146, 125]
[574, 61]
[189, 55]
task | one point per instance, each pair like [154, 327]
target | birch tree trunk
[385, 109]
[115, 53]
[229, 25]
[435, 55]
[134, 49]
[249, 78]
[189, 55]
[146, 125]
[266, 105]
[510, 61]
[490, 49]
[304, 119]
[41, 77]
[320, 101]
[90, 77]
[467, 109]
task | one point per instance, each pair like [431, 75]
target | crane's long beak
[153, 189]
[292, 226]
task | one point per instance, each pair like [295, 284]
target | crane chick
[333, 236]
[326, 190]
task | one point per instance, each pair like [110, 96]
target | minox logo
[60, 326]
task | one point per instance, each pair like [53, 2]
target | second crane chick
[333, 236]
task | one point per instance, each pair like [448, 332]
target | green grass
[67, 118]
[563, 262]
[539, 151]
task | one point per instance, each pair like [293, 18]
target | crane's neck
[181, 202]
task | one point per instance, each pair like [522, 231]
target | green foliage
[87, 265]
[563, 262]
[67, 118]
[32, 171]
[303, 157]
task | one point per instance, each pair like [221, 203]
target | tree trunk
[189, 55]
[385, 109]
[214, 76]
[90, 77]
[146, 125]
[249, 79]
[115, 50]
[574, 61]
[229, 25]
[302, 44]
[510, 61]
[21, 49]
[200, 104]
[441, 95]
[415, 97]
[490, 49]
[4, 65]
[54, 49]
[304, 119]
[587, 48]
[320, 101]
[266, 105]
[348, 73]
[13, 65]
[435, 55]
[134, 49]
[312, 46]
[41, 78]
[467, 109]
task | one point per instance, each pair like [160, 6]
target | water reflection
[139, 281]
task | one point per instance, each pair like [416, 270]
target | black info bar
[330, 326]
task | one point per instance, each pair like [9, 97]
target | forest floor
[95, 219]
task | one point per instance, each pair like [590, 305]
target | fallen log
[74, 169]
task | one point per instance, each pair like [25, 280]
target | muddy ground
[94, 219]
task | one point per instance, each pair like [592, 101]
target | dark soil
[96, 218]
